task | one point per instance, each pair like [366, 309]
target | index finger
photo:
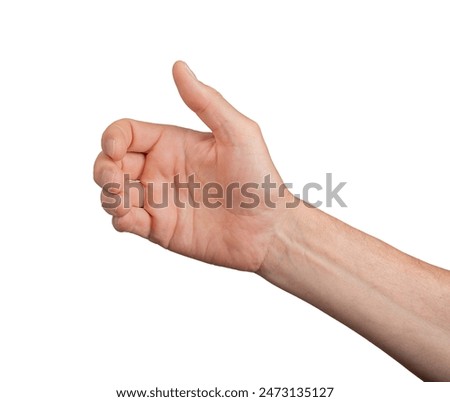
[127, 135]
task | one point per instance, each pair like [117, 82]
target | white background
[359, 89]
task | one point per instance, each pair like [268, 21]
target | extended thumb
[222, 118]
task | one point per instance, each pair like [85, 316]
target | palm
[212, 234]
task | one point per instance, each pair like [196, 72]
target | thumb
[224, 120]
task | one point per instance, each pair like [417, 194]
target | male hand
[229, 228]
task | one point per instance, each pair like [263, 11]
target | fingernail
[190, 71]
[110, 144]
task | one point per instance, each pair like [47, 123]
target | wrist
[303, 251]
[285, 251]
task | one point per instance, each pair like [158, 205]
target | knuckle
[121, 124]
[96, 169]
[121, 224]
[253, 125]
[214, 91]
[112, 204]
[118, 224]
[124, 122]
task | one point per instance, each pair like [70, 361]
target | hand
[231, 233]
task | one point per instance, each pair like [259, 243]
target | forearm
[394, 300]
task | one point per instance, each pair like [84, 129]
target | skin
[397, 302]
